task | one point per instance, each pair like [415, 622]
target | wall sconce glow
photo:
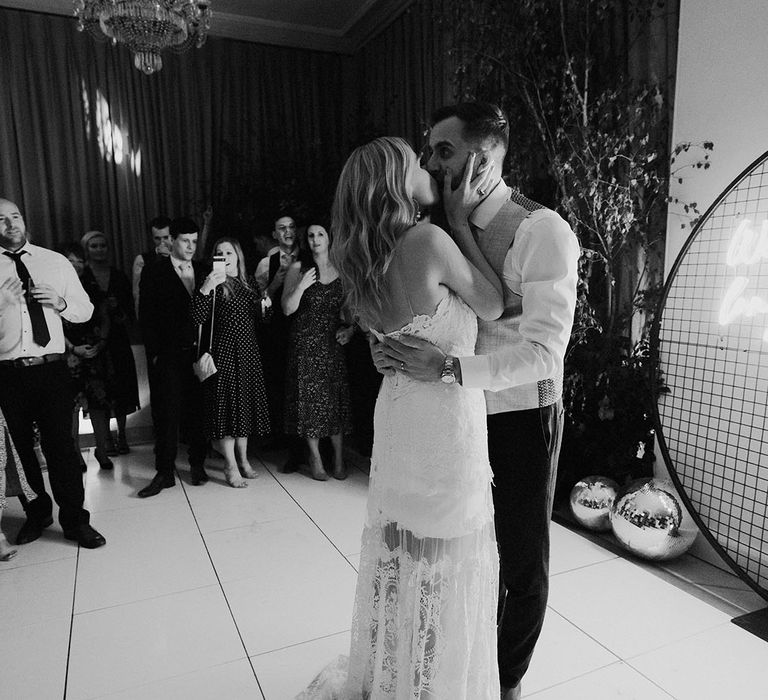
[135, 162]
[113, 142]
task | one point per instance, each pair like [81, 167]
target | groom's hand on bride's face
[417, 358]
[476, 181]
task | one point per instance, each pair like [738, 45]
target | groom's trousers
[523, 447]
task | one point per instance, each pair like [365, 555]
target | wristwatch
[448, 375]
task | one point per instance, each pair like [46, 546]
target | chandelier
[146, 27]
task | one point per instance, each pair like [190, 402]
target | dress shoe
[512, 693]
[122, 446]
[112, 450]
[32, 529]
[85, 536]
[104, 461]
[160, 482]
[197, 476]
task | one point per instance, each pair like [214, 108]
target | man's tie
[187, 274]
[40, 333]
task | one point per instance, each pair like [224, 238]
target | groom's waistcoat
[494, 242]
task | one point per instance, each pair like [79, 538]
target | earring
[417, 215]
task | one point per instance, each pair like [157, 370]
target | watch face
[448, 378]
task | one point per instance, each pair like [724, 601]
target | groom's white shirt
[541, 272]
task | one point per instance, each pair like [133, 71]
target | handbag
[204, 367]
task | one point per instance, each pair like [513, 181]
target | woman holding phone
[235, 402]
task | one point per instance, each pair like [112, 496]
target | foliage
[590, 139]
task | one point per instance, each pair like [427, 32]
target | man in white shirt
[37, 289]
[273, 336]
[519, 359]
[270, 272]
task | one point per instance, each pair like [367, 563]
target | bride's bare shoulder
[425, 235]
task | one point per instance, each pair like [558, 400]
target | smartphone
[219, 263]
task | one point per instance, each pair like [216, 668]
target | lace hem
[424, 624]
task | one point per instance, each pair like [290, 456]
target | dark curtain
[404, 74]
[89, 142]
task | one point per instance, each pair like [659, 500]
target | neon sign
[748, 246]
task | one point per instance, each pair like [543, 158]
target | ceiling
[339, 26]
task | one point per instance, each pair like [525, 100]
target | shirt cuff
[475, 371]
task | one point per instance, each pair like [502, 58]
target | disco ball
[591, 501]
[648, 518]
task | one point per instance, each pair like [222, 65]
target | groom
[519, 358]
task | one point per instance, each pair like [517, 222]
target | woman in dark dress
[234, 398]
[89, 363]
[317, 392]
[116, 287]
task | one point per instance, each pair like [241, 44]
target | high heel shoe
[104, 461]
[233, 478]
[6, 551]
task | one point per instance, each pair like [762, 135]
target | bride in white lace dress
[424, 621]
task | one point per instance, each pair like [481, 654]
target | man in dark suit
[170, 341]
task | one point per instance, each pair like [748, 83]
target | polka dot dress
[234, 398]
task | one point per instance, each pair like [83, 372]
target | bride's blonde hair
[371, 210]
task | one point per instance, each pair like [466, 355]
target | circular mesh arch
[710, 343]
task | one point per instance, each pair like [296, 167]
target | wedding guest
[160, 234]
[170, 340]
[273, 335]
[39, 288]
[317, 394]
[117, 290]
[235, 400]
[12, 482]
[89, 363]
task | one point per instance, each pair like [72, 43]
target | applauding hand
[308, 278]
[47, 296]
[11, 290]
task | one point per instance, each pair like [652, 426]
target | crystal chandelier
[146, 27]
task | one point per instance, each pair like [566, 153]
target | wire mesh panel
[711, 345]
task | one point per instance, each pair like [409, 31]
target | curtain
[404, 74]
[88, 141]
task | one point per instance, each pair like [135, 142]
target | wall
[721, 96]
